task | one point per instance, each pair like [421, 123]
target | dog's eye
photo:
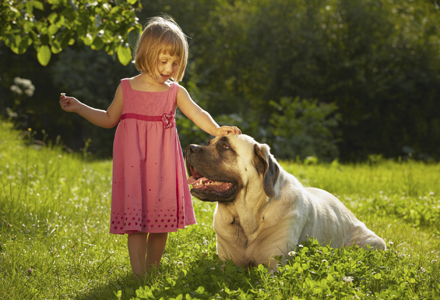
[224, 146]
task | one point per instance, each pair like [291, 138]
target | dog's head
[228, 166]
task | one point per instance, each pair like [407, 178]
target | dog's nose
[193, 148]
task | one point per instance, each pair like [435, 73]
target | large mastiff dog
[263, 211]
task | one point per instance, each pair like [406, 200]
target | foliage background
[330, 78]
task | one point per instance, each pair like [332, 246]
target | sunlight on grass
[54, 239]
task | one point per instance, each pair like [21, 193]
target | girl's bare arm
[101, 118]
[200, 117]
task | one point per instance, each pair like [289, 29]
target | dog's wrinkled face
[211, 170]
[227, 165]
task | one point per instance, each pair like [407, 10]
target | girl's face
[167, 67]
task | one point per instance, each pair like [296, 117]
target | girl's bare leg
[137, 248]
[156, 245]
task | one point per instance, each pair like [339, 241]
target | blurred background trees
[333, 79]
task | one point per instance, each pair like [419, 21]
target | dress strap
[172, 93]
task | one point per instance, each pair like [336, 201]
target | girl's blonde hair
[161, 35]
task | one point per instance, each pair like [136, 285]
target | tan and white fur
[268, 211]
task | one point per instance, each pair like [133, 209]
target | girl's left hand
[225, 130]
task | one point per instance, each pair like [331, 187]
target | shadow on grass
[107, 290]
[204, 278]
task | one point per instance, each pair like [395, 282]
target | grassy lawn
[55, 244]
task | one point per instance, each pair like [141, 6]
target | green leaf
[44, 55]
[109, 49]
[60, 21]
[64, 38]
[106, 36]
[15, 45]
[55, 47]
[41, 26]
[28, 26]
[53, 29]
[97, 43]
[128, 14]
[6, 29]
[200, 290]
[131, 1]
[69, 14]
[26, 41]
[38, 5]
[133, 38]
[115, 10]
[118, 294]
[124, 54]
[52, 17]
[29, 8]
[88, 39]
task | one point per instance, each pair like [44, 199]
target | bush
[302, 128]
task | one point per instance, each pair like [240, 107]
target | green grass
[54, 214]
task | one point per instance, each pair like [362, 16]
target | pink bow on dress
[168, 120]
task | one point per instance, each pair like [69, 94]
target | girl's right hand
[69, 104]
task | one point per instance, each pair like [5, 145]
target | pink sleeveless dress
[149, 189]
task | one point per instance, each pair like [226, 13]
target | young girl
[150, 196]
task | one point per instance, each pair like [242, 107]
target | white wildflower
[13, 114]
[16, 89]
[347, 279]
[23, 85]
[292, 253]
[29, 91]
[180, 264]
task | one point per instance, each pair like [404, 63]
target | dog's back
[333, 223]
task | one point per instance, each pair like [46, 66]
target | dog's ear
[266, 166]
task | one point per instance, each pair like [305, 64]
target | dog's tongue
[206, 184]
[192, 181]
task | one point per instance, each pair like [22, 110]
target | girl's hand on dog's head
[225, 130]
